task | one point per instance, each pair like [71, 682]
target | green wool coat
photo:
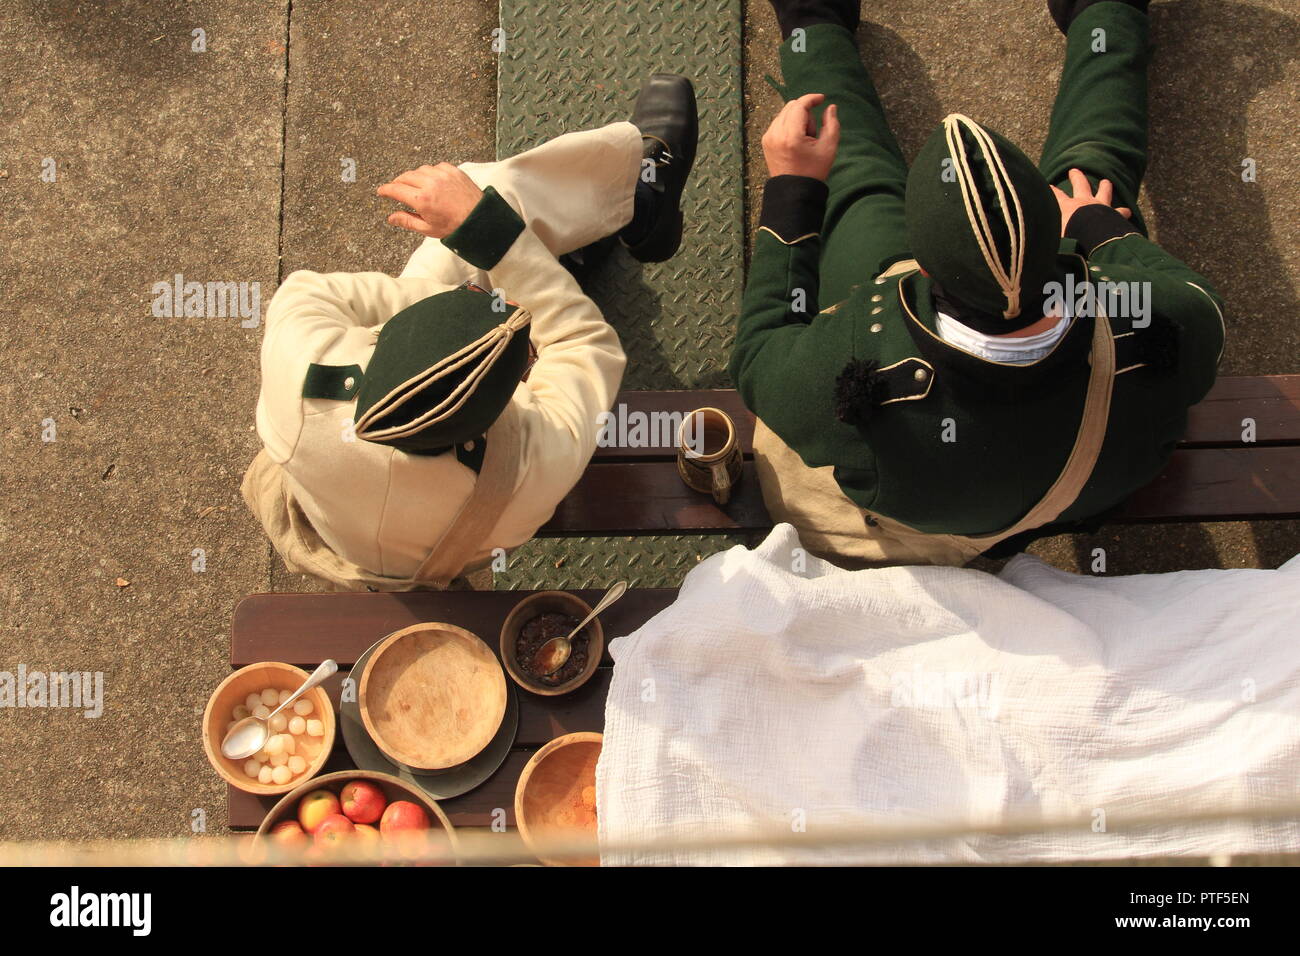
[976, 444]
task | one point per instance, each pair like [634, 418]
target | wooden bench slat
[1205, 484]
[649, 497]
[1221, 484]
[305, 629]
[1273, 401]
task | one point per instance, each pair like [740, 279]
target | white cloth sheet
[780, 689]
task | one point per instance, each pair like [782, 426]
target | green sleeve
[776, 312]
[786, 360]
[1182, 296]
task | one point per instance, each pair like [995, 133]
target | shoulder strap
[478, 516]
[1087, 444]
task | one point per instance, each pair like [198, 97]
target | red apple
[367, 836]
[289, 833]
[315, 807]
[334, 830]
[402, 815]
[362, 801]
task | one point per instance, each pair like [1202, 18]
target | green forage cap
[984, 223]
[443, 370]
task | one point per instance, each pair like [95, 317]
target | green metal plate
[575, 65]
[659, 561]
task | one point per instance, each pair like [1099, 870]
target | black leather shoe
[1065, 11]
[665, 114]
[792, 14]
[583, 263]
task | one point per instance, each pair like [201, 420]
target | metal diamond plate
[576, 65]
[649, 562]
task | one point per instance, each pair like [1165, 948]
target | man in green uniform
[976, 351]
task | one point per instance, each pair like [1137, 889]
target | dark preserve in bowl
[542, 628]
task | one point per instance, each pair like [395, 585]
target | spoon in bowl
[555, 653]
[251, 734]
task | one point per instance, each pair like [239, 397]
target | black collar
[981, 377]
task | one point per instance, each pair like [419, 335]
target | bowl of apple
[351, 813]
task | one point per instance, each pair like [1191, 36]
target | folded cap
[984, 223]
[442, 371]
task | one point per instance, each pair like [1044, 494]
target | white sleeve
[578, 370]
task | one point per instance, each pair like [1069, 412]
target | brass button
[348, 383]
[876, 298]
[1096, 268]
[920, 375]
[876, 327]
[469, 446]
[880, 280]
[877, 310]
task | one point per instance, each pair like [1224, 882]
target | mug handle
[721, 482]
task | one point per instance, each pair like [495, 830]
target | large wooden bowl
[549, 795]
[232, 691]
[432, 696]
[547, 602]
[394, 789]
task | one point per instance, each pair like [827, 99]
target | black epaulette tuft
[858, 390]
[1157, 347]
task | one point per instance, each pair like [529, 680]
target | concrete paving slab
[165, 161]
[371, 97]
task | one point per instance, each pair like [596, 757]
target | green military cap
[442, 371]
[984, 223]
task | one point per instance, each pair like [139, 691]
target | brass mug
[709, 458]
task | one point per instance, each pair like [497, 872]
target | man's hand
[793, 146]
[1083, 197]
[442, 196]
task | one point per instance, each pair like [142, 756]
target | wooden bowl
[433, 696]
[546, 602]
[286, 808]
[232, 691]
[549, 795]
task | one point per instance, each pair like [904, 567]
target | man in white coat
[415, 426]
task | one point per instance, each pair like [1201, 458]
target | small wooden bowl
[547, 602]
[286, 808]
[549, 792]
[232, 691]
[433, 696]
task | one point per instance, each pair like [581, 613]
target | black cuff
[487, 233]
[793, 207]
[1093, 224]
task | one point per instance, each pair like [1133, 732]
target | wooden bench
[305, 629]
[630, 491]
[1213, 475]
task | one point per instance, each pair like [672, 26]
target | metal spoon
[251, 734]
[554, 654]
